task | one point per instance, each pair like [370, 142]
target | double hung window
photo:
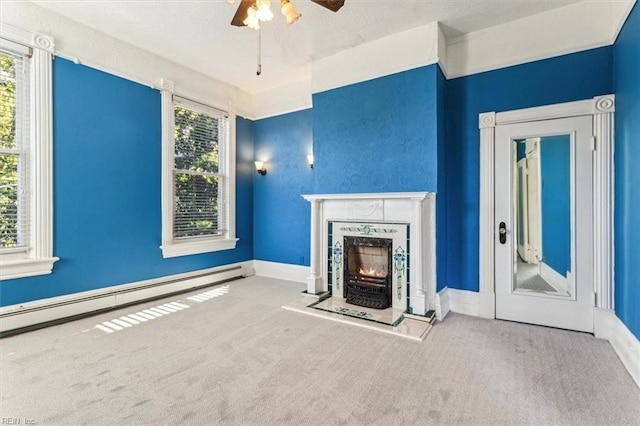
[14, 148]
[198, 178]
[26, 230]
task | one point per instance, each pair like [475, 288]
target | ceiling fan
[251, 12]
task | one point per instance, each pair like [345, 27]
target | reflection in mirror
[542, 215]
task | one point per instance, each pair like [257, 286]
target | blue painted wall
[281, 216]
[555, 200]
[365, 138]
[107, 212]
[560, 79]
[626, 60]
[378, 136]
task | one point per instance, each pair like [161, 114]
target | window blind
[199, 174]
[14, 146]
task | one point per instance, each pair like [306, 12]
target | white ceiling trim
[93, 48]
[388, 55]
[282, 100]
[569, 29]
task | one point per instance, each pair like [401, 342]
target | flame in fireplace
[372, 272]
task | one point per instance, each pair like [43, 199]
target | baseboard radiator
[36, 314]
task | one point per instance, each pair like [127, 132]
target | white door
[556, 289]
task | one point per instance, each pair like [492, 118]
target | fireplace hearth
[367, 272]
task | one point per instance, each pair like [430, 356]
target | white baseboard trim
[464, 301]
[56, 308]
[558, 281]
[442, 304]
[608, 326]
[283, 271]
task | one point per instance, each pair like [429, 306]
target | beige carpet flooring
[238, 358]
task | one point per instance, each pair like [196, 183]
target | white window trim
[39, 259]
[171, 248]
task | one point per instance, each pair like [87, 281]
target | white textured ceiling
[198, 34]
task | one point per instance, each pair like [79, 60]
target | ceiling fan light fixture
[264, 12]
[252, 20]
[289, 12]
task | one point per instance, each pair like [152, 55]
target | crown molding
[90, 47]
[399, 52]
[570, 29]
[577, 27]
[293, 97]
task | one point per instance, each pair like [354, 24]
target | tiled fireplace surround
[408, 218]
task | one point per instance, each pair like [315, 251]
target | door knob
[502, 231]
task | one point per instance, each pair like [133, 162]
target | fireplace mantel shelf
[368, 196]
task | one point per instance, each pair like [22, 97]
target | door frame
[601, 109]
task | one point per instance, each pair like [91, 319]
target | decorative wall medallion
[43, 42]
[166, 85]
[604, 104]
[337, 262]
[487, 119]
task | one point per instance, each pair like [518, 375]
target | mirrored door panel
[542, 212]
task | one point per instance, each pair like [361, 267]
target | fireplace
[368, 271]
[407, 219]
[368, 263]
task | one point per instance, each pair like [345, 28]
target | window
[26, 246]
[14, 149]
[198, 178]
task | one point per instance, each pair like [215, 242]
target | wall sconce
[310, 160]
[260, 168]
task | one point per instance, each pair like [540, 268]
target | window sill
[10, 269]
[197, 247]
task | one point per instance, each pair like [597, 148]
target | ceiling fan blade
[241, 13]
[333, 5]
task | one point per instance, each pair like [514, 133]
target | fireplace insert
[367, 271]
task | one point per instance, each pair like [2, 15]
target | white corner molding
[601, 109]
[282, 271]
[627, 346]
[39, 258]
[464, 302]
[442, 51]
[442, 304]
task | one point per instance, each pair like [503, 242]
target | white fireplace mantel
[415, 209]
